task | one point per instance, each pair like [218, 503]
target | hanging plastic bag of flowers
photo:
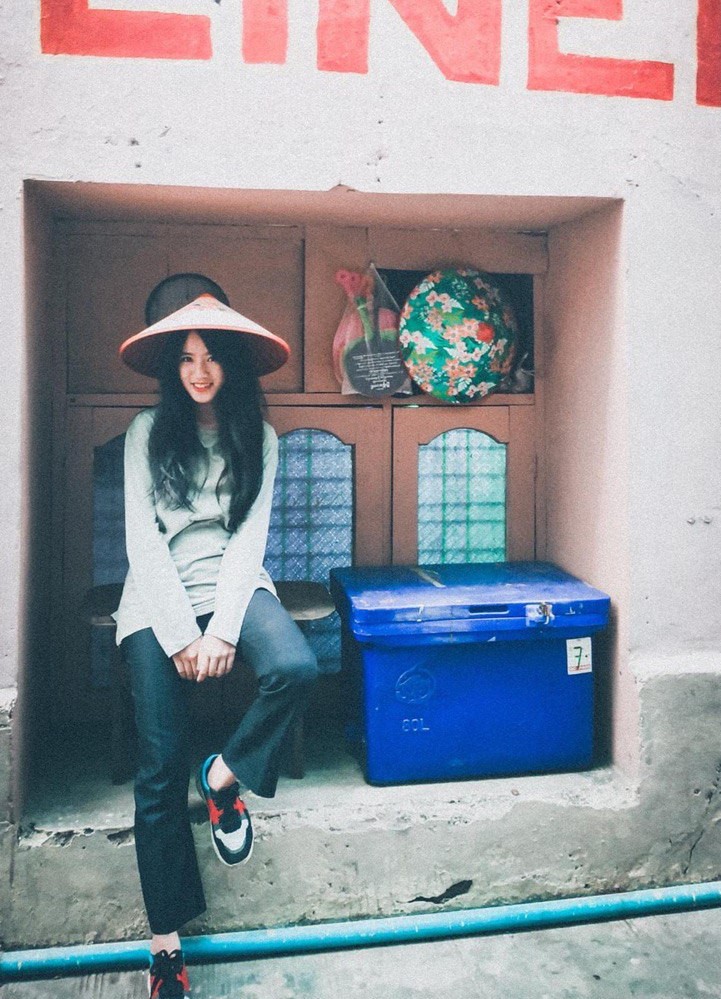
[366, 355]
[458, 335]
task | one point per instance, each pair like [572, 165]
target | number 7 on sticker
[578, 655]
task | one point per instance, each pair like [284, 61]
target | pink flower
[454, 369]
[445, 301]
[421, 372]
[470, 328]
[454, 334]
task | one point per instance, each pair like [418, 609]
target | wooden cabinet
[512, 426]
[110, 271]
[282, 276]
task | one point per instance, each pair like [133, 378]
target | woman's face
[200, 375]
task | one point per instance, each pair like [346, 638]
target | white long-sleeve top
[184, 563]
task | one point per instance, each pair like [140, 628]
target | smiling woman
[201, 376]
[199, 473]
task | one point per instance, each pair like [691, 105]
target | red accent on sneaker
[214, 812]
[165, 970]
[239, 806]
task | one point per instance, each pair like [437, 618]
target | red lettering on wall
[708, 42]
[69, 27]
[466, 46]
[550, 69]
[265, 30]
[342, 35]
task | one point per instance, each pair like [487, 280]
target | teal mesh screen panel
[462, 498]
[311, 522]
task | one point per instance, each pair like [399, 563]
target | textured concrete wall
[8, 829]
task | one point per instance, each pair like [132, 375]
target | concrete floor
[664, 957]
[71, 790]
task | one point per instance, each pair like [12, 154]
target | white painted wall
[404, 128]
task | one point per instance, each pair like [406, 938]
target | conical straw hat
[142, 352]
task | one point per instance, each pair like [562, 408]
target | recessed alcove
[95, 251]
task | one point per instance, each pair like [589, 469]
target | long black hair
[174, 450]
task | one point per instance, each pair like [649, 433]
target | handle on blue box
[539, 614]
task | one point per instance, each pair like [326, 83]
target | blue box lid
[517, 598]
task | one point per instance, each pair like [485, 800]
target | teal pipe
[25, 965]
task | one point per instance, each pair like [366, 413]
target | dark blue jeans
[274, 647]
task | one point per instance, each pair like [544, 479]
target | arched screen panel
[462, 498]
[311, 523]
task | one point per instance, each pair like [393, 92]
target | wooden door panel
[367, 429]
[328, 249]
[521, 484]
[109, 278]
[260, 269]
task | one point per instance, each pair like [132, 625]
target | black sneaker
[231, 831]
[168, 976]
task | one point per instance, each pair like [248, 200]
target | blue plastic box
[470, 670]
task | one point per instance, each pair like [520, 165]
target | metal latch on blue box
[539, 614]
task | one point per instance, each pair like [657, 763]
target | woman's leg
[167, 864]
[274, 647]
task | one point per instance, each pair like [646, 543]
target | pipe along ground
[52, 962]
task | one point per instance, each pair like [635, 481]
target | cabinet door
[111, 269]
[367, 431]
[108, 276]
[260, 268]
[463, 484]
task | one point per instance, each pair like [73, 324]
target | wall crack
[698, 834]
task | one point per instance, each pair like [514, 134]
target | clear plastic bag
[366, 357]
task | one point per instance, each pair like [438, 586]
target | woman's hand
[186, 661]
[206, 656]
[215, 657]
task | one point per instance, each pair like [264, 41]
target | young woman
[199, 471]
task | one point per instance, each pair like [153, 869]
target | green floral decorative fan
[458, 335]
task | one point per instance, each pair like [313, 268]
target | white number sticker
[578, 655]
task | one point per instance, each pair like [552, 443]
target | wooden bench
[304, 601]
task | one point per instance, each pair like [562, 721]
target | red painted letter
[69, 27]
[343, 35]
[465, 46]
[550, 69]
[708, 42]
[265, 30]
